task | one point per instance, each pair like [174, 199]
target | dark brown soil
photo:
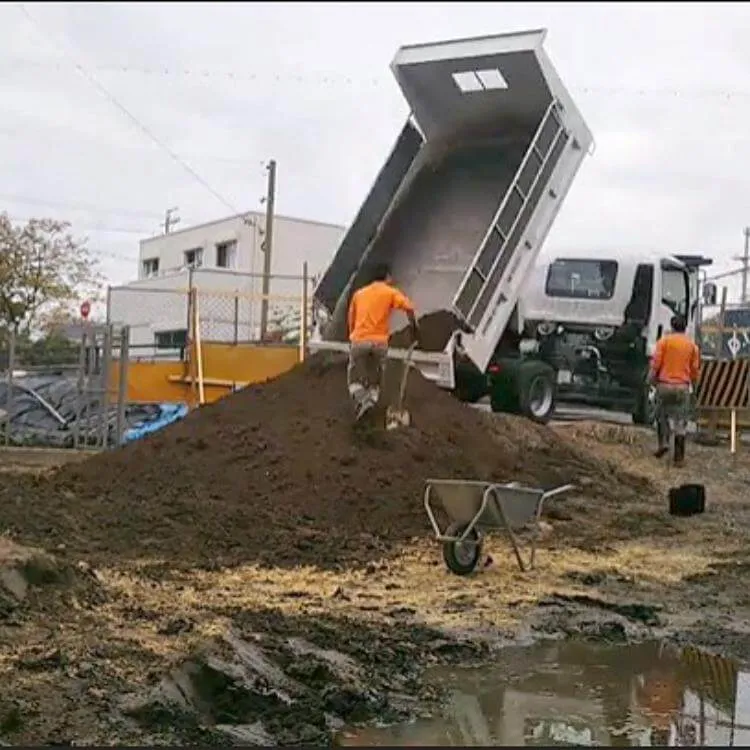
[277, 474]
[434, 331]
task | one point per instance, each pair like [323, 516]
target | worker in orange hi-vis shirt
[660, 694]
[675, 369]
[369, 329]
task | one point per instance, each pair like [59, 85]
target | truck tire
[644, 412]
[470, 393]
[537, 391]
[471, 384]
[527, 387]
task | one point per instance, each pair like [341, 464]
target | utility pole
[745, 262]
[169, 221]
[267, 247]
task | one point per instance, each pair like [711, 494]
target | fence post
[104, 388]
[11, 367]
[83, 360]
[303, 316]
[722, 314]
[109, 305]
[236, 317]
[122, 389]
[713, 416]
[189, 323]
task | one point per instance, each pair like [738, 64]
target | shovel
[397, 416]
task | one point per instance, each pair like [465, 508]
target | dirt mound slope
[276, 474]
[34, 581]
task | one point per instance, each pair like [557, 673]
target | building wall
[229, 299]
[294, 241]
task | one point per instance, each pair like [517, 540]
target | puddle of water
[573, 693]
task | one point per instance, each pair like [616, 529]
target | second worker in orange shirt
[369, 329]
[675, 367]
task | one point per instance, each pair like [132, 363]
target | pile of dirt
[277, 475]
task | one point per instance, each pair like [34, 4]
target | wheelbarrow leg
[511, 535]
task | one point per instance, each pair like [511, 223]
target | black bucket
[687, 500]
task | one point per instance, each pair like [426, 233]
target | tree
[42, 268]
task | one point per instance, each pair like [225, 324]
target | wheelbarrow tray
[476, 508]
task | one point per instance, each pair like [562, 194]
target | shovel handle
[405, 375]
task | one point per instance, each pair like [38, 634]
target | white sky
[664, 88]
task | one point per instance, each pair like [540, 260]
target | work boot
[663, 441]
[679, 450]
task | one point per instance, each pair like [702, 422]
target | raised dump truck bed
[469, 192]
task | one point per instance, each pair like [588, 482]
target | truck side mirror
[709, 293]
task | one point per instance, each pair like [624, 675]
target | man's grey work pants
[365, 373]
[673, 411]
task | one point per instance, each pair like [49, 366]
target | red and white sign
[85, 309]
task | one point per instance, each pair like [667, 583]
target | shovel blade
[396, 418]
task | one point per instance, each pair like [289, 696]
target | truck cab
[596, 318]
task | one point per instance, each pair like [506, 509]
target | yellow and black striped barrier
[711, 676]
[724, 384]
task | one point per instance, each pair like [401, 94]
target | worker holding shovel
[369, 328]
[675, 368]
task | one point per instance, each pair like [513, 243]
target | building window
[194, 257]
[226, 253]
[150, 267]
[171, 339]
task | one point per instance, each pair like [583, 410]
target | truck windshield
[674, 290]
[581, 279]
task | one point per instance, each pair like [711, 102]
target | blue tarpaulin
[168, 413]
[43, 412]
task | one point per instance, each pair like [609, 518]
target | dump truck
[462, 206]
[461, 209]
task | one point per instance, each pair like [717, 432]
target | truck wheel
[470, 393]
[462, 558]
[471, 384]
[537, 391]
[644, 412]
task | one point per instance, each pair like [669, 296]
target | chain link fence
[229, 310]
[65, 404]
[724, 332]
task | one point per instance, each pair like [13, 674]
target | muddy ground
[140, 651]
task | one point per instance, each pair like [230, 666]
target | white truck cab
[596, 317]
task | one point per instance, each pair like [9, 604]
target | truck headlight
[545, 329]
[604, 333]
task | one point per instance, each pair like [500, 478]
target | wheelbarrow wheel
[462, 557]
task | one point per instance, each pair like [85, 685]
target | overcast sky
[664, 87]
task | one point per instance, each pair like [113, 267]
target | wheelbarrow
[476, 508]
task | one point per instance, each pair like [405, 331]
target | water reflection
[578, 694]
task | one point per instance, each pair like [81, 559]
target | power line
[96, 228]
[127, 113]
[102, 253]
[77, 206]
[323, 78]
[23, 134]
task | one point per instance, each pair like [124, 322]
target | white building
[223, 261]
